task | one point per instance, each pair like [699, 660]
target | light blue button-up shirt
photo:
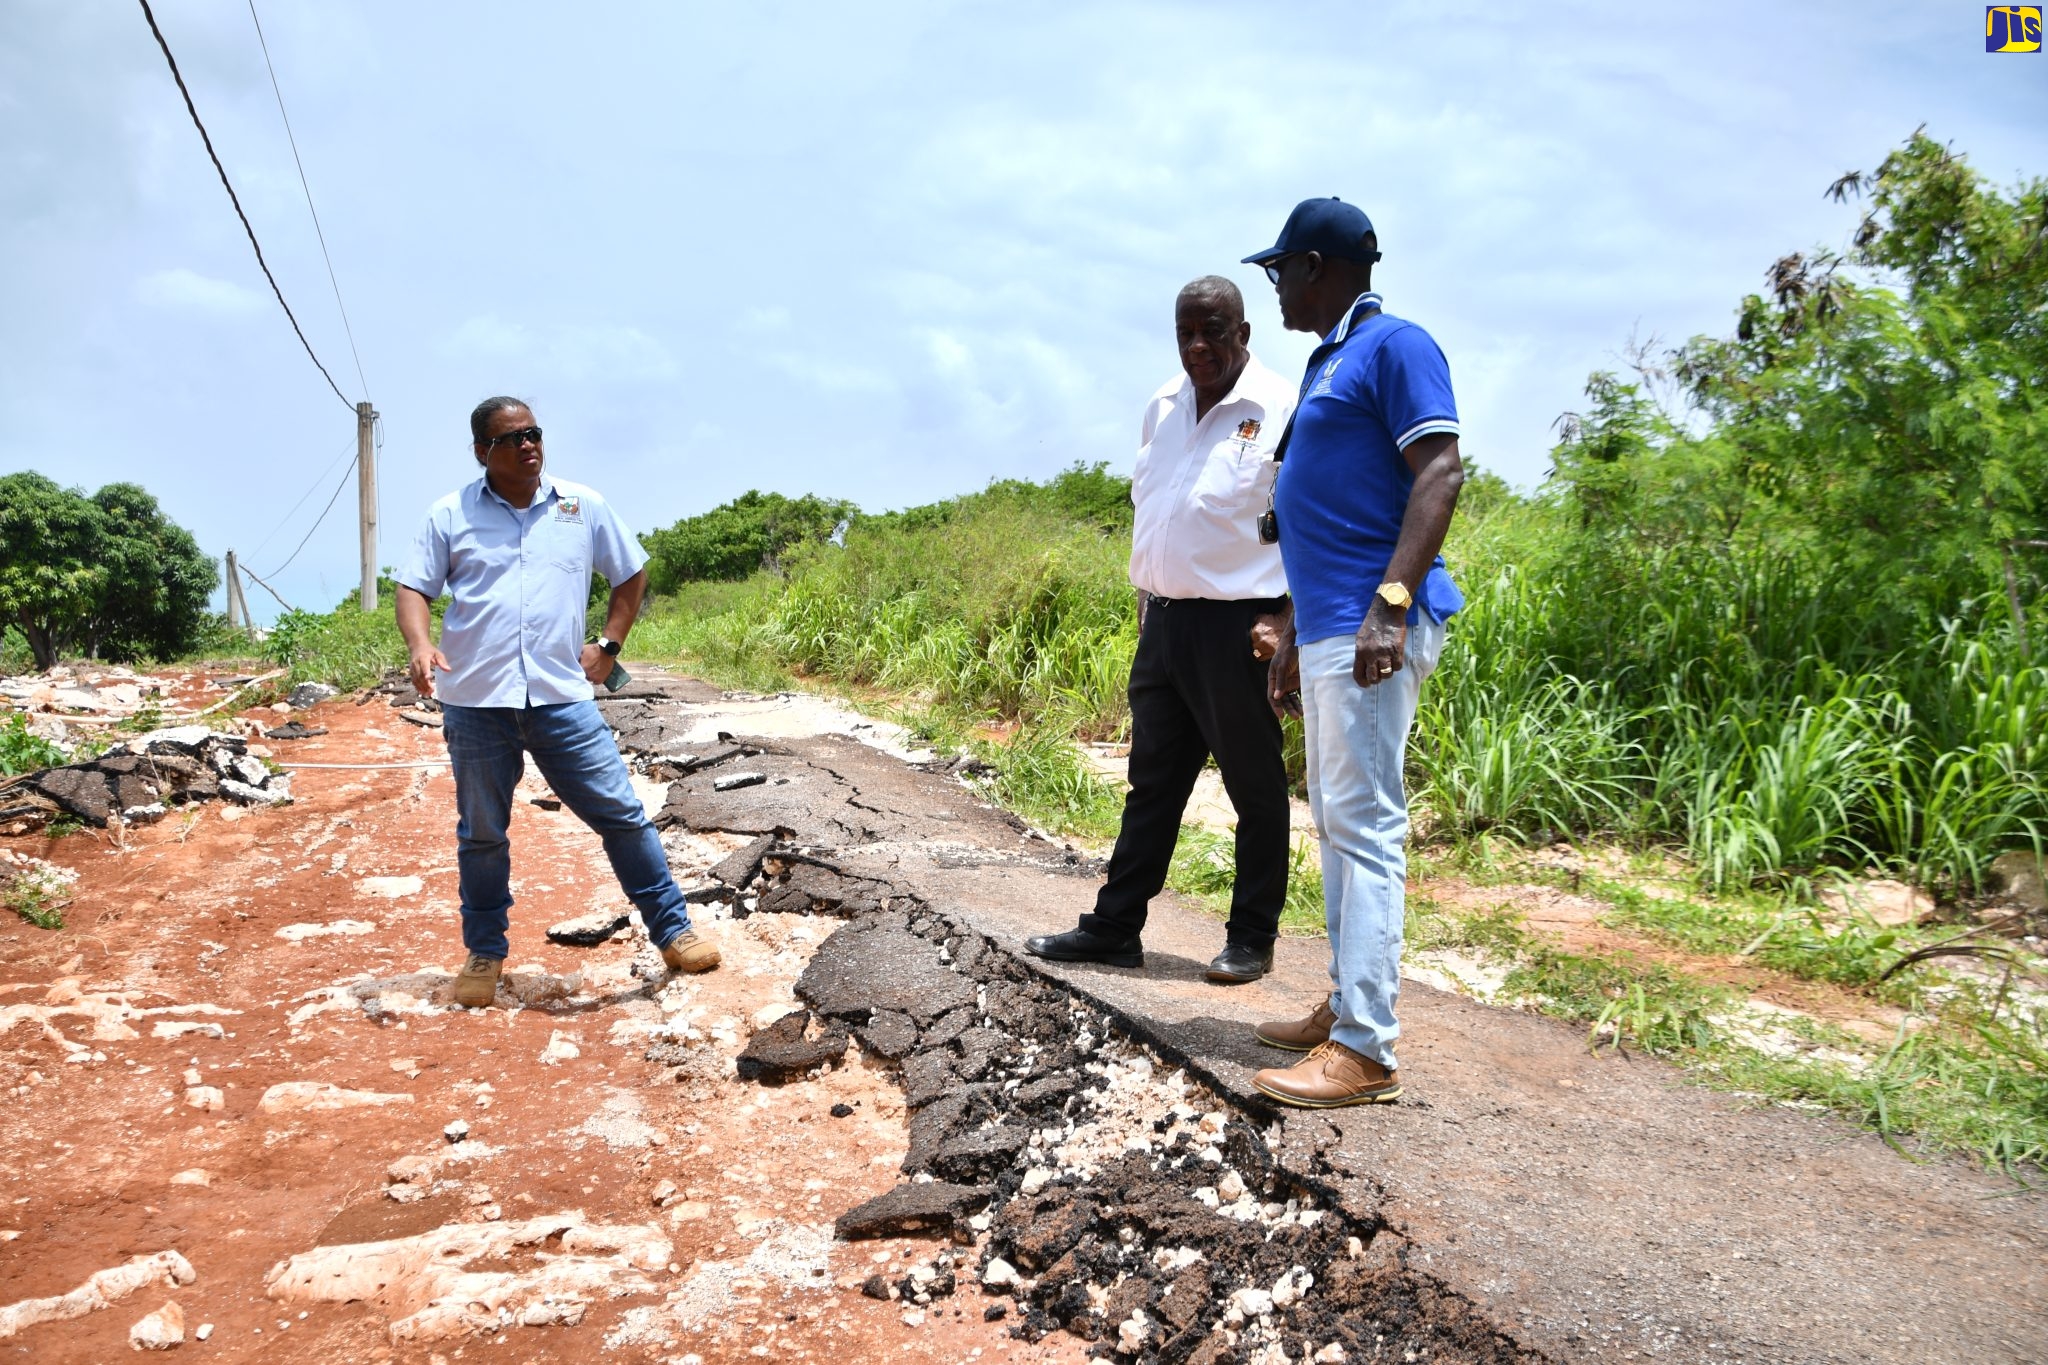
[519, 581]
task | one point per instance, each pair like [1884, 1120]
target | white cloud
[574, 352]
[189, 291]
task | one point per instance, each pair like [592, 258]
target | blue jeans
[1357, 737]
[574, 751]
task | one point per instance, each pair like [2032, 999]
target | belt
[1266, 603]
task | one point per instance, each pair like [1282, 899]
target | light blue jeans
[1357, 737]
[575, 752]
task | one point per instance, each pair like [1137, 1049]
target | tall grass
[1756, 710]
[1743, 707]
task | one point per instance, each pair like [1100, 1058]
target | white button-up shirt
[1200, 486]
[519, 578]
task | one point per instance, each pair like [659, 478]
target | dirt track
[1579, 1206]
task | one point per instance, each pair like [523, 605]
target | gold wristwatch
[1395, 595]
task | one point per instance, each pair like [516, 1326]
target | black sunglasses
[517, 438]
[1273, 267]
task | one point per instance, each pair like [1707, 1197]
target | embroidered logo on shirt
[569, 509]
[1329, 371]
[1248, 429]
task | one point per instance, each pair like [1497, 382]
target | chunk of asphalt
[732, 782]
[948, 1027]
[926, 1077]
[937, 1123]
[979, 1048]
[781, 1050]
[932, 1206]
[1045, 1090]
[80, 792]
[842, 1110]
[986, 1153]
[587, 931]
[811, 887]
[875, 964]
[888, 1035]
[742, 865]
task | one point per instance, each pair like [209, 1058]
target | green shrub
[22, 752]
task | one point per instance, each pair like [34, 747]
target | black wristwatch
[610, 647]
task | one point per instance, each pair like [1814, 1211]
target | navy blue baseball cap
[1329, 226]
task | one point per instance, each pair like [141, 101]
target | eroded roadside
[276, 1122]
[879, 1132]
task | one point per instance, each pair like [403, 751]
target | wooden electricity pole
[366, 498]
[238, 608]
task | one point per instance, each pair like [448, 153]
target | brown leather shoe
[1300, 1035]
[476, 985]
[1329, 1078]
[689, 952]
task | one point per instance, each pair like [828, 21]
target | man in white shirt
[1198, 687]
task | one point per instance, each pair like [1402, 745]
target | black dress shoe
[1078, 945]
[1237, 964]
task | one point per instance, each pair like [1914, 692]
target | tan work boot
[689, 952]
[1328, 1078]
[1300, 1035]
[476, 986]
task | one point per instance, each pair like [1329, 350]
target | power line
[346, 329]
[311, 489]
[266, 587]
[316, 525]
[236, 201]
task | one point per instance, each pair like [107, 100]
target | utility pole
[238, 610]
[366, 498]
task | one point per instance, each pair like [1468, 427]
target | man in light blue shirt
[515, 550]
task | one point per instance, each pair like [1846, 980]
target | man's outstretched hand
[425, 663]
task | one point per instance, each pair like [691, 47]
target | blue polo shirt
[518, 579]
[1376, 385]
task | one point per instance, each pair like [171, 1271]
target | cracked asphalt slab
[1589, 1207]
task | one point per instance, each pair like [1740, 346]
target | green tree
[108, 574]
[50, 569]
[753, 531]
[1889, 408]
[153, 598]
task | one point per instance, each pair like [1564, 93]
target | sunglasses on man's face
[1273, 268]
[517, 438]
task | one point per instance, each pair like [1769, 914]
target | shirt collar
[1366, 302]
[540, 494]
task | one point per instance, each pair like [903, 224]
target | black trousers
[1196, 690]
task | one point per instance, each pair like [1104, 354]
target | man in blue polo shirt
[1369, 477]
[514, 550]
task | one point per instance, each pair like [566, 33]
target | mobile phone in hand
[617, 678]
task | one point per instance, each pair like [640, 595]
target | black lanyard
[1315, 361]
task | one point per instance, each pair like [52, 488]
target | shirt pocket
[568, 547]
[1234, 475]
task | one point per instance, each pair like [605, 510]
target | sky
[884, 252]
